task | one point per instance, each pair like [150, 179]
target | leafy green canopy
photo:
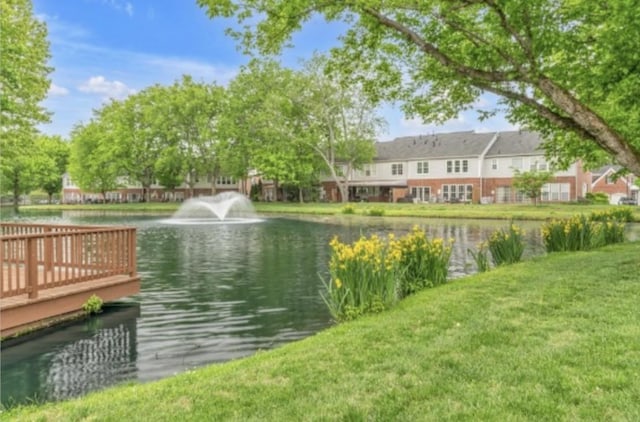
[24, 51]
[567, 68]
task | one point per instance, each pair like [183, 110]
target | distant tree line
[288, 126]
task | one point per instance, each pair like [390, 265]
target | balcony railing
[34, 257]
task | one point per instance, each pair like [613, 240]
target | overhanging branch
[433, 51]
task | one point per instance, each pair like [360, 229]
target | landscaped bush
[423, 262]
[597, 198]
[363, 278]
[506, 246]
[581, 233]
[348, 209]
[375, 212]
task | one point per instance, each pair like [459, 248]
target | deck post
[132, 252]
[31, 266]
[48, 251]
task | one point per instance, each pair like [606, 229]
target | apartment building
[459, 167]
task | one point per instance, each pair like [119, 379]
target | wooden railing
[34, 257]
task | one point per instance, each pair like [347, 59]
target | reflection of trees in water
[73, 359]
[92, 363]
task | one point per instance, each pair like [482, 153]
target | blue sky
[105, 49]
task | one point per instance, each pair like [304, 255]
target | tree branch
[478, 39]
[544, 111]
[524, 42]
[433, 51]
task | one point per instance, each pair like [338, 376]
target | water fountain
[226, 207]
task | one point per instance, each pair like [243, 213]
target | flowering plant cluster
[506, 246]
[582, 233]
[621, 214]
[424, 263]
[372, 274]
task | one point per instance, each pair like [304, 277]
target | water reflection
[72, 360]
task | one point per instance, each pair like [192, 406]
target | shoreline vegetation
[550, 338]
[541, 212]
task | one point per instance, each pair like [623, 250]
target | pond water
[210, 293]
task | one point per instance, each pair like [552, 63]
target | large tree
[56, 151]
[192, 115]
[135, 132]
[341, 122]
[567, 68]
[24, 83]
[93, 163]
[264, 125]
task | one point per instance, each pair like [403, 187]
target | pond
[210, 293]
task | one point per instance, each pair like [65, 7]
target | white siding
[438, 168]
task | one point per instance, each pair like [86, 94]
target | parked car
[627, 201]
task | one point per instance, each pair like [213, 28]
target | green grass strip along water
[493, 211]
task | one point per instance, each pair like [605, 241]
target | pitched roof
[516, 143]
[456, 144]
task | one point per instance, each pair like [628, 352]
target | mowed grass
[493, 211]
[554, 338]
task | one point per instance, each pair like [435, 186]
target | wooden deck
[49, 271]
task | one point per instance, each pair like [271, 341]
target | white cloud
[416, 125]
[108, 89]
[57, 91]
[120, 6]
[197, 69]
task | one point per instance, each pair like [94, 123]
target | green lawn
[554, 338]
[493, 211]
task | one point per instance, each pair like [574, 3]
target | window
[224, 180]
[494, 164]
[423, 167]
[369, 170]
[396, 169]
[503, 194]
[538, 166]
[457, 192]
[555, 192]
[610, 180]
[421, 193]
[457, 165]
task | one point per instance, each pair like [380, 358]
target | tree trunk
[344, 191]
[214, 177]
[607, 138]
[300, 192]
[16, 194]
[146, 193]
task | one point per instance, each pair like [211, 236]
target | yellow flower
[338, 283]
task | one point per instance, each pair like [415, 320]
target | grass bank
[492, 211]
[554, 338]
